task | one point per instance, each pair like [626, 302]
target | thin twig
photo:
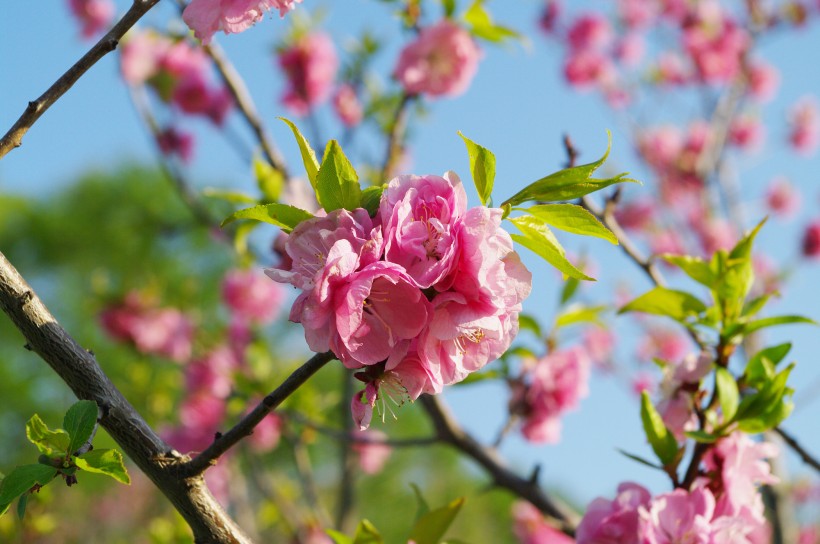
[395, 136]
[223, 442]
[450, 432]
[14, 137]
[792, 442]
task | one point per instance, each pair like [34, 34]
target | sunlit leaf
[482, 168]
[337, 183]
[572, 218]
[283, 216]
[79, 423]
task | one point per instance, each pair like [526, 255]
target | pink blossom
[599, 344]
[808, 535]
[747, 133]
[193, 95]
[419, 215]
[586, 68]
[667, 242]
[252, 296]
[692, 369]
[615, 521]
[160, 331]
[267, 433]
[372, 451]
[636, 14]
[589, 31]
[661, 146]
[558, 382]
[549, 15]
[811, 240]
[310, 65]
[716, 44]
[642, 381]
[175, 142]
[630, 49]
[716, 234]
[678, 517]
[347, 106]
[665, 344]
[200, 417]
[804, 120]
[213, 373]
[530, 527]
[678, 413]
[142, 55]
[764, 79]
[441, 61]
[636, 215]
[671, 69]
[206, 17]
[94, 15]
[782, 197]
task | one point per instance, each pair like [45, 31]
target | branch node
[111, 44]
[25, 297]
[28, 347]
[536, 472]
[33, 106]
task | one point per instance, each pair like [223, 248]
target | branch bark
[14, 137]
[79, 369]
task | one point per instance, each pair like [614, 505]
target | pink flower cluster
[530, 528]
[93, 15]
[441, 61]
[417, 297]
[310, 64]
[166, 332]
[721, 508]
[207, 17]
[549, 387]
[804, 121]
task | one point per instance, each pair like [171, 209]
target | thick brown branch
[79, 370]
[224, 442]
[450, 432]
[14, 137]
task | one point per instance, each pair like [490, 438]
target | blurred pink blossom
[782, 197]
[747, 133]
[251, 296]
[206, 17]
[530, 527]
[94, 15]
[266, 435]
[441, 61]
[804, 121]
[615, 521]
[590, 30]
[347, 106]
[764, 79]
[372, 452]
[310, 64]
[811, 240]
[176, 142]
[587, 68]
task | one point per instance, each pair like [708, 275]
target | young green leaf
[678, 305]
[701, 436]
[430, 528]
[639, 459]
[662, 441]
[528, 322]
[79, 423]
[234, 197]
[538, 238]
[748, 328]
[337, 183]
[338, 538]
[727, 392]
[567, 184]
[308, 155]
[694, 267]
[580, 314]
[482, 168]
[421, 504]
[283, 216]
[569, 290]
[21, 505]
[572, 218]
[49, 442]
[761, 366]
[366, 533]
[23, 478]
[269, 180]
[482, 25]
[371, 198]
[108, 462]
[449, 7]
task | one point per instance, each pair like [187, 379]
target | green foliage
[538, 238]
[482, 26]
[269, 180]
[366, 533]
[482, 168]
[580, 313]
[308, 155]
[108, 462]
[371, 197]
[431, 526]
[337, 183]
[761, 366]
[572, 218]
[679, 305]
[567, 184]
[79, 423]
[47, 441]
[727, 393]
[283, 216]
[660, 438]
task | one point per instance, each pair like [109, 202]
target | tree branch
[224, 442]
[792, 442]
[450, 432]
[14, 137]
[79, 369]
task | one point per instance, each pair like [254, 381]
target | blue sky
[517, 106]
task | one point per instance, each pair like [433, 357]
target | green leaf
[662, 441]
[21, 505]
[569, 290]
[572, 218]
[580, 314]
[482, 168]
[694, 267]
[482, 25]
[678, 305]
[269, 180]
[108, 462]
[639, 459]
[421, 504]
[538, 238]
[308, 155]
[337, 183]
[528, 322]
[4, 508]
[366, 533]
[754, 306]
[234, 197]
[761, 366]
[49, 442]
[338, 538]
[567, 184]
[283, 216]
[748, 328]
[728, 394]
[430, 528]
[79, 423]
[449, 7]
[23, 478]
[701, 436]
[770, 394]
[371, 198]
